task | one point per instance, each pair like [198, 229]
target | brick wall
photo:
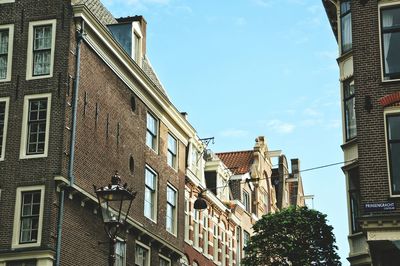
[15, 172]
[370, 124]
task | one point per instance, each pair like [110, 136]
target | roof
[99, 10]
[106, 18]
[239, 162]
[330, 10]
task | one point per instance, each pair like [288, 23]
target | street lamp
[114, 212]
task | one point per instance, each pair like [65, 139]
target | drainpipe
[79, 37]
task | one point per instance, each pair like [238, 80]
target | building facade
[79, 100]
[368, 37]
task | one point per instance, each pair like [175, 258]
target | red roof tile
[239, 162]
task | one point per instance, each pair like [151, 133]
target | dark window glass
[390, 23]
[152, 129]
[393, 135]
[349, 109]
[22, 263]
[246, 200]
[30, 210]
[354, 196]
[2, 121]
[37, 126]
[345, 22]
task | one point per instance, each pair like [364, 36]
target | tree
[295, 236]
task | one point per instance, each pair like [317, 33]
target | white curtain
[387, 21]
[346, 32]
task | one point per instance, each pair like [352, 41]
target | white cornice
[100, 39]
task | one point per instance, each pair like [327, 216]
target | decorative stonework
[390, 99]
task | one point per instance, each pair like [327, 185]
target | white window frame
[166, 259]
[215, 243]
[380, 6]
[17, 217]
[6, 1]
[137, 47]
[10, 28]
[248, 200]
[123, 242]
[389, 111]
[24, 131]
[154, 218]
[196, 229]
[175, 211]
[156, 134]
[187, 218]
[174, 163]
[29, 64]
[148, 252]
[205, 232]
[3, 144]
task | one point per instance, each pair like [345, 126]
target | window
[164, 261]
[35, 128]
[349, 109]
[28, 216]
[21, 262]
[152, 131]
[246, 239]
[187, 223]
[150, 194]
[223, 245]
[6, 48]
[205, 233]
[120, 253]
[215, 243]
[172, 151]
[196, 228]
[3, 126]
[246, 200]
[393, 150]
[238, 245]
[171, 210]
[354, 198]
[142, 255]
[390, 30]
[345, 25]
[41, 45]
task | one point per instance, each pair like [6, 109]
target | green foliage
[295, 236]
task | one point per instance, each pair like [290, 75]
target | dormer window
[129, 33]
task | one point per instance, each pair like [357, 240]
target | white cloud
[280, 126]
[234, 133]
[312, 112]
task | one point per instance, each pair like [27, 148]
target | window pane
[391, 41]
[141, 256]
[2, 121]
[346, 30]
[42, 37]
[344, 7]
[395, 167]
[394, 127]
[3, 53]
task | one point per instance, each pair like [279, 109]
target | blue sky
[246, 68]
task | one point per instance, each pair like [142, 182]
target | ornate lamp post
[111, 200]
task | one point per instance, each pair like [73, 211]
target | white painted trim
[29, 57]
[24, 129]
[380, 6]
[6, 1]
[147, 167]
[175, 225]
[119, 56]
[174, 167]
[165, 258]
[145, 247]
[10, 28]
[17, 216]
[3, 145]
[390, 110]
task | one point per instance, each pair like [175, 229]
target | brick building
[54, 146]
[368, 35]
